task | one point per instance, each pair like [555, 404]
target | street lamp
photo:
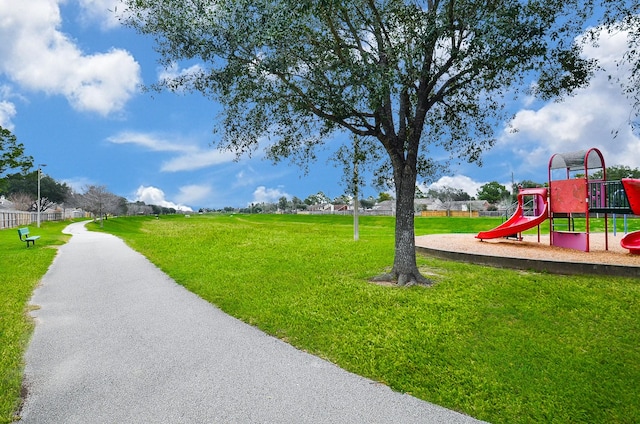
[39, 198]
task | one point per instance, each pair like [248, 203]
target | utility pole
[356, 203]
[39, 198]
[356, 183]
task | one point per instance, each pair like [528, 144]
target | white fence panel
[13, 219]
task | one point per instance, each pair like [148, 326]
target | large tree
[12, 155]
[414, 75]
[493, 192]
[51, 191]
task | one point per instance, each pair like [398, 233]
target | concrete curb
[553, 267]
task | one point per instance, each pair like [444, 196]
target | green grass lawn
[20, 271]
[500, 345]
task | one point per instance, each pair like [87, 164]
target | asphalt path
[117, 341]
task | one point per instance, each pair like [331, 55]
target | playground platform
[529, 254]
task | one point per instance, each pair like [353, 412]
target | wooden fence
[458, 214]
[12, 219]
[389, 212]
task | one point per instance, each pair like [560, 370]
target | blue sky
[70, 80]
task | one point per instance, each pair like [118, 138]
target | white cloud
[263, 194]
[252, 176]
[7, 112]
[7, 106]
[154, 196]
[246, 177]
[462, 182]
[194, 193]
[197, 160]
[174, 71]
[78, 184]
[588, 119]
[38, 56]
[152, 142]
[104, 12]
[193, 156]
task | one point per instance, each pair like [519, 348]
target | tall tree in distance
[417, 76]
[618, 172]
[99, 201]
[448, 195]
[12, 153]
[17, 186]
[493, 192]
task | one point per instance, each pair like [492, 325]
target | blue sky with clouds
[70, 80]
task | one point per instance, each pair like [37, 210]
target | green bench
[24, 236]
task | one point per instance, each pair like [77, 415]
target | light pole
[356, 183]
[39, 198]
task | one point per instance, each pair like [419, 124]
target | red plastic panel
[632, 188]
[568, 196]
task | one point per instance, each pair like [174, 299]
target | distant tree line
[21, 188]
[295, 204]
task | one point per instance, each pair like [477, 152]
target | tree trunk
[405, 269]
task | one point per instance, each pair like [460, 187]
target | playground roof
[575, 161]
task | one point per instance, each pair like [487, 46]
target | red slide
[632, 188]
[518, 221]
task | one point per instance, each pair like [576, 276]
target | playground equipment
[520, 221]
[574, 193]
[632, 188]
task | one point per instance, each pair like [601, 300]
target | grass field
[500, 345]
[503, 346]
[20, 271]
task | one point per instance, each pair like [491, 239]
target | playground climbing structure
[574, 192]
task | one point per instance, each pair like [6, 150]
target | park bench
[24, 236]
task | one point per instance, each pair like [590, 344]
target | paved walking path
[118, 341]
